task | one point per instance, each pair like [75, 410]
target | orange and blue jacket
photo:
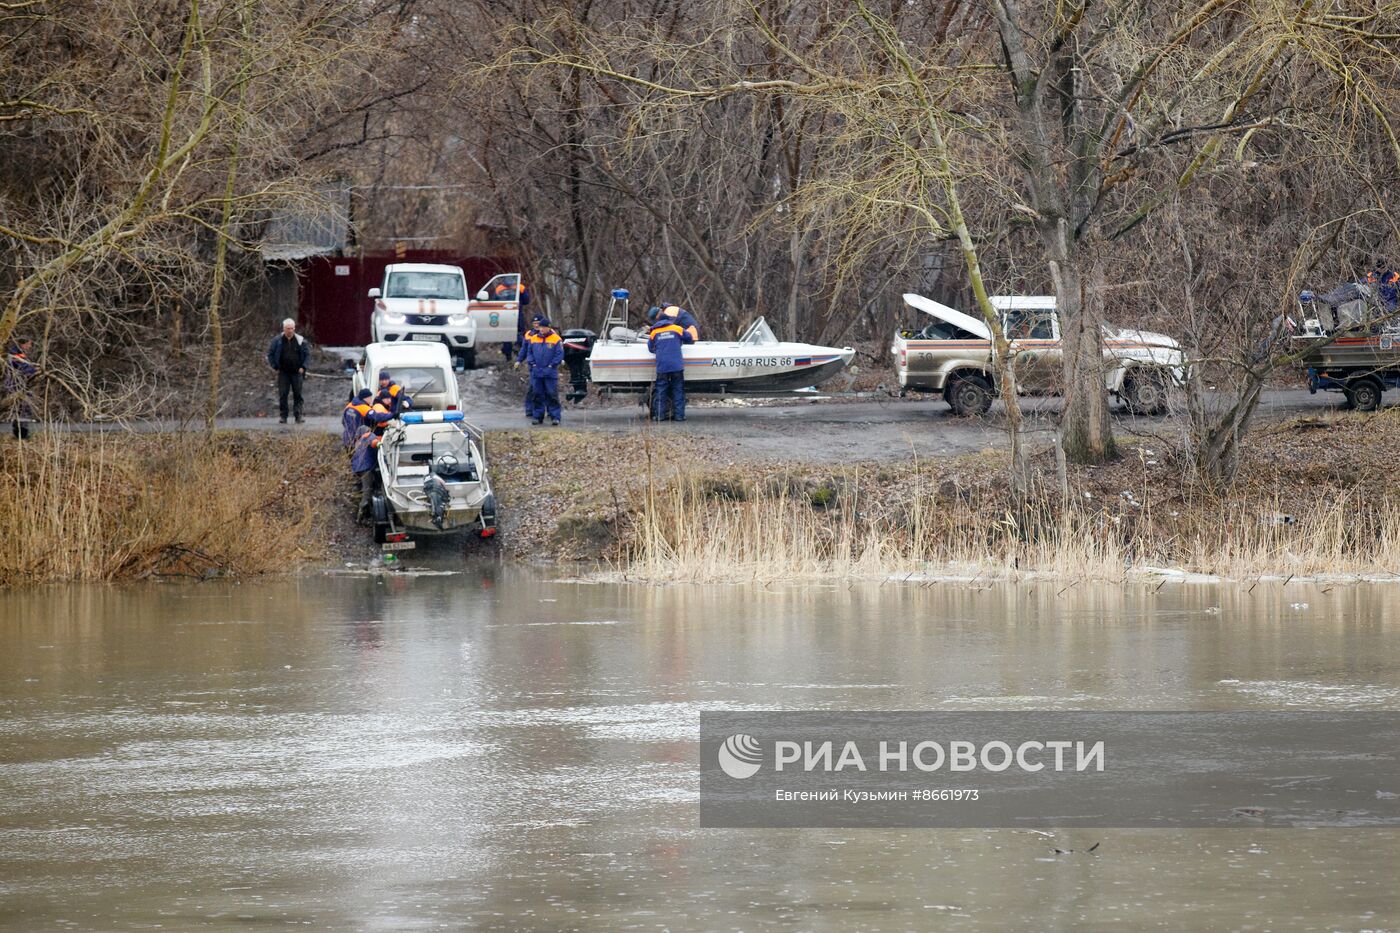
[665, 340]
[542, 351]
[393, 398]
[1388, 285]
[354, 415]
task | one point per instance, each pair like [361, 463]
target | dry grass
[857, 524]
[120, 506]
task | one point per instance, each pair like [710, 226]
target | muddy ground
[564, 496]
[572, 491]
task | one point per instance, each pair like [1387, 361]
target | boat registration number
[752, 361]
[399, 545]
[434, 338]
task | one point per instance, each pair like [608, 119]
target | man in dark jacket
[288, 354]
[543, 350]
[666, 339]
[521, 322]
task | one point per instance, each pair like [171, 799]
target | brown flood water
[490, 749]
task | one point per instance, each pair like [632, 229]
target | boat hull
[720, 367]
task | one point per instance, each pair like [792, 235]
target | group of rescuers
[367, 413]
[669, 327]
[362, 428]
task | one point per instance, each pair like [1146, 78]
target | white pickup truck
[952, 354]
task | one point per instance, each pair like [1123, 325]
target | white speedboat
[758, 362]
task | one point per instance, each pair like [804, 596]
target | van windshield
[415, 379]
[447, 285]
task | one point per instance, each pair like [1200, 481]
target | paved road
[808, 429]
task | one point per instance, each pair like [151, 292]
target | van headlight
[393, 317]
[457, 320]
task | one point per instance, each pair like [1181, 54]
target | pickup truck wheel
[1144, 393]
[1364, 394]
[969, 395]
[381, 532]
[468, 358]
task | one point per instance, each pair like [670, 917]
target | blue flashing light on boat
[430, 417]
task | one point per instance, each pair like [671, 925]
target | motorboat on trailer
[432, 467]
[757, 363]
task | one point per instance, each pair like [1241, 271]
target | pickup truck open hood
[968, 323]
[1160, 341]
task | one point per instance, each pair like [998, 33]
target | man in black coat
[288, 354]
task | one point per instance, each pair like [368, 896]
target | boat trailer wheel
[1363, 394]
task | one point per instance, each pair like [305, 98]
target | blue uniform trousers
[668, 392]
[543, 397]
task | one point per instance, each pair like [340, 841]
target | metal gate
[333, 306]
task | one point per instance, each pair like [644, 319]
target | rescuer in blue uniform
[543, 351]
[378, 417]
[354, 415]
[683, 317]
[391, 395]
[665, 339]
[1386, 281]
[19, 371]
[364, 464]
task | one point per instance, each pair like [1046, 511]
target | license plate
[399, 545]
[431, 338]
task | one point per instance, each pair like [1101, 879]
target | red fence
[333, 306]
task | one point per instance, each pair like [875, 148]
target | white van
[423, 369]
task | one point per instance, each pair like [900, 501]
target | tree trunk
[216, 321]
[1084, 420]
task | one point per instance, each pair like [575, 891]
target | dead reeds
[107, 507]
[846, 526]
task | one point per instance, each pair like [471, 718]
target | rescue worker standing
[288, 354]
[1386, 282]
[354, 415]
[19, 370]
[543, 351]
[666, 339]
[513, 292]
[391, 395]
[363, 463]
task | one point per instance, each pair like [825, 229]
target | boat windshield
[759, 334]
[452, 453]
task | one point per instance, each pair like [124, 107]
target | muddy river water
[499, 749]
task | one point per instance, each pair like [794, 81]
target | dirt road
[817, 429]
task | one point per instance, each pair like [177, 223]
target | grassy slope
[671, 506]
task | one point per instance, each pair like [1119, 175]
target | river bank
[1316, 496]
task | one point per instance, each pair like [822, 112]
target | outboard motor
[578, 344]
[439, 498]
